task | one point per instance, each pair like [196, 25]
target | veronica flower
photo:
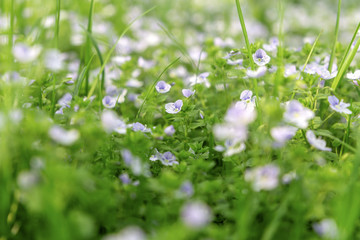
[186, 189]
[297, 114]
[24, 53]
[231, 54]
[288, 177]
[290, 70]
[133, 162]
[146, 64]
[282, 134]
[201, 79]
[317, 143]
[129, 233]
[174, 108]
[337, 106]
[125, 179]
[62, 136]
[162, 87]
[167, 158]
[54, 60]
[272, 46]
[235, 62]
[326, 75]
[109, 102]
[111, 122]
[261, 58]
[65, 100]
[187, 93]
[196, 214]
[354, 76]
[263, 178]
[140, 127]
[233, 146]
[170, 130]
[247, 100]
[326, 228]
[256, 73]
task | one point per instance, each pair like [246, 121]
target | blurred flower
[263, 178]
[256, 73]
[170, 130]
[187, 93]
[65, 100]
[247, 100]
[140, 127]
[125, 178]
[167, 158]
[129, 233]
[174, 108]
[54, 60]
[24, 53]
[162, 87]
[196, 214]
[62, 136]
[261, 58]
[111, 122]
[28, 179]
[133, 162]
[186, 189]
[287, 178]
[109, 102]
[146, 64]
[282, 134]
[273, 44]
[201, 79]
[297, 114]
[290, 70]
[354, 76]
[337, 106]
[326, 228]
[317, 143]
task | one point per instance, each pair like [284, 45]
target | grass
[89, 151]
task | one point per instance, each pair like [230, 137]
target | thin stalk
[308, 59]
[336, 37]
[280, 54]
[88, 44]
[243, 27]
[113, 49]
[57, 23]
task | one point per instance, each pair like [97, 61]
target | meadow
[181, 120]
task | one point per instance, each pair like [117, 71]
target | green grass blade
[87, 44]
[153, 85]
[349, 46]
[113, 48]
[81, 77]
[332, 56]
[57, 23]
[345, 66]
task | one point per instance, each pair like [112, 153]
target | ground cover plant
[161, 119]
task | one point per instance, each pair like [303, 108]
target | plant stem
[57, 23]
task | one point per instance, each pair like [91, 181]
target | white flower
[174, 108]
[162, 87]
[327, 228]
[256, 73]
[263, 178]
[54, 60]
[24, 53]
[261, 58]
[62, 136]
[354, 76]
[111, 122]
[196, 214]
[297, 114]
[317, 143]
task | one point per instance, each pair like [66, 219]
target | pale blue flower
[170, 130]
[162, 87]
[139, 127]
[337, 106]
[261, 58]
[263, 178]
[273, 44]
[297, 114]
[111, 122]
[62, 136]
[196, 214]
[187, 93]
[174, 108]
[24, 53]
[109, 102]
[326, 228]
[256, 73]
[290, 70]
[168, 159]
[187, 188]
[354, 76]
[282, 134]
[317, 143]
[125, 179]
